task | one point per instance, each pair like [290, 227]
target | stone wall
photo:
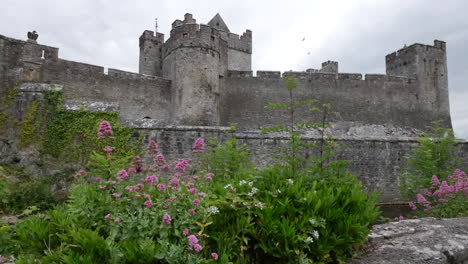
[377, 99]
[376, 161]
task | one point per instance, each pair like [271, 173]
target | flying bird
[303, 39]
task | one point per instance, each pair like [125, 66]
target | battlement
[241, 43]
[149, 35]
[439, 46]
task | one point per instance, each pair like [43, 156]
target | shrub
[448, 198]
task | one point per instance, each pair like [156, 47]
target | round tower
[191, 60]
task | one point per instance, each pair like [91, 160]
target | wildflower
[137, 163]
[148, 203]
[151, 179]
[138, 187]
[101, 187]
[312, 221]
[415, 217]
[122, 174]
[198, 248]
[309, 240]
[193, 240]
[165, 166]
[108, 216]
[138, 196]
[198, 146]
[242, 182]
[98, 179]
[196, 202]
[105, 129]
[161, 186]
[117, 220]
[230, 187]
[251, 183]
[181, 165]
[259, 205]
[130, 188]
[167, 219]
[290, 181]
[412, 206]
[209, 177]
[191, 211]
[422, 200]
[132, 170]
[174, 182]
[185, 232]
[252, 191]
[177, 174]
[82, 171]
[201, 194]
[111, 182]
[435, 181]
[77, 175]
[159, 159]
[396, 219]
[153, 147]
[214, 256]
[195, 177]
[147, 196]
[108, 149]
[192, 190]
[212, 210]
[401, 218]
[116, 195]
[315, 234]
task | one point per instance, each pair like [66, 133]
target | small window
[212, 38]
[185, 35]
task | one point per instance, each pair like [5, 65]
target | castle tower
[150, 53]
[192, 59]
[428, 65]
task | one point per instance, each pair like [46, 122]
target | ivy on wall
[70, 136]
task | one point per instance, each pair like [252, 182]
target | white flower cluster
[242, 182]
[230, 187]
[259, 205]
[212, 210]
[290, 181]
[252, 191]
[309, 240]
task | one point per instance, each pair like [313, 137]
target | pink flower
[198, 146]
[130, 188]
[105, 129]
[132, 170]
[192, 190]
[167, 219]
[396, 219]
[122, 174]
[178, 174]
[77, 175]
[185, 232]
[136, 162]
[415, 217]
[151, 179]
[82, 171]
[138, 196]
[201, 194]
[193, 240]
[214, 256]
[147, 196]
[195, 177]
[197, 248]
[111, 182]
[181, 165]
[116, 195]
[108, 216]
[401, 218]
[412, 206]
[117, 220]
[148, 203]
[159, 159]
[102, 187]
[191, 211]
[165, 166]
[174, 182]
[196, 202]
[98, 178]
[108, 149]
[435, 181]
[161, 186]
[165, 206]
[209, 177]
[153, 147]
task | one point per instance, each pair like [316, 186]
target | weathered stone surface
[91, 106]
[425, 240]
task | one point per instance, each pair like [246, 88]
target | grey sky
[357, 33]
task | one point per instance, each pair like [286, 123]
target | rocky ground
[425, 240]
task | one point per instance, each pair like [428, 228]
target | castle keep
[200, 79]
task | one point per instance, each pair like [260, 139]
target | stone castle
[200, 80]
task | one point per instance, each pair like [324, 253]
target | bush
[124, 212]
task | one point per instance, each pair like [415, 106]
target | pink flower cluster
[442, 191]
[181, 165]
[80, 173]
[153, 147]
[198, 146]
[193, 244]
[104, 130]
[167, 219]
[122, 174]
[151, 180]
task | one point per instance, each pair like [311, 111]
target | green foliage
[435, 155]
[20, 191]
[29, 128]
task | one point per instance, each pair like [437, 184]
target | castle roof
[218, 23]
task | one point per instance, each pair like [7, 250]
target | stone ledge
[91, 106]
[426, 240]
[39, 87]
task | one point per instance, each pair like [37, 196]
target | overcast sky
[357, 33]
